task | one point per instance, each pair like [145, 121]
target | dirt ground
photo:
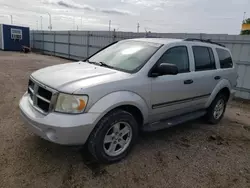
[194, 154]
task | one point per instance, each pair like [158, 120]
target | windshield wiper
[101, 64]
[106, 65]
[91, 62]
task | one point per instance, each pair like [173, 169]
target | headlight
[71, 103]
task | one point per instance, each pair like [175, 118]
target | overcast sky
[194, 16]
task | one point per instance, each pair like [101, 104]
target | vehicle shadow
[147, 142]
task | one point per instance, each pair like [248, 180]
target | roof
[158, 40]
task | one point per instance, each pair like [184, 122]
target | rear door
[205, 76]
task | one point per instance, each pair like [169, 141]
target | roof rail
[204, 40]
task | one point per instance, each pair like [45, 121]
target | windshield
[129, 56]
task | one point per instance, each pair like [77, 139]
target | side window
[204, 58]
[177, 55]
[225, 58]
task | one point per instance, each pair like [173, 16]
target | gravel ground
[194, 154]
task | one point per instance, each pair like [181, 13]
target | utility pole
[74, 23]
[244, 17]
[50, 25]
[109, 25]
[138, 27]
[11, 19]
[81, 23]
[41, 20]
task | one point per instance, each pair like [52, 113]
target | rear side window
[204, 58]
[178, 56]
[225, 58]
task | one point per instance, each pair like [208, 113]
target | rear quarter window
[225, 58]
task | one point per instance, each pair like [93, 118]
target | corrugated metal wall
[81, 44]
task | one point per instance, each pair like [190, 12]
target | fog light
[51, 134]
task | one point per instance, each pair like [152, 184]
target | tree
[245, 32]
[246, 21]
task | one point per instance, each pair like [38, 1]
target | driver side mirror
[164, 69]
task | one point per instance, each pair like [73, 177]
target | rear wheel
[113, 136]
[217, 109]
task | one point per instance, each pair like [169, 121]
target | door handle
[217, 77]
[188, 81]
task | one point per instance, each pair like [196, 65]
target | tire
[211, 117]
[106, 128]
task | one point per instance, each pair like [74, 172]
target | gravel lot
[194, 154]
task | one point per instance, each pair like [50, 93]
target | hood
[61, 76]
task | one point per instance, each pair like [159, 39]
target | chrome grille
[41, 97]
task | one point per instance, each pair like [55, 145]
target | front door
[172, 95]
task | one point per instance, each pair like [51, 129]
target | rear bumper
[59, 128]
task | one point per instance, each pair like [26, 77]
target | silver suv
[138, 84]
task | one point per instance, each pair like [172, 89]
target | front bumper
[59, 128]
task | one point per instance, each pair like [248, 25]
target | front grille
[41, 96]
[44, 93]
[43, 105]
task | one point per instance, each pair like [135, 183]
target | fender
[119, 98]
[222, 84]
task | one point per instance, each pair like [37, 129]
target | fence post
[31, 43]
[43, 42]
[114, 36]
[69, 44]
[88, 35]
[33, 39]
[110, 36]
[54, 43]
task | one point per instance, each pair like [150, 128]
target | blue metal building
[13, 38]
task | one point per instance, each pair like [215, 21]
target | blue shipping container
[12, 37]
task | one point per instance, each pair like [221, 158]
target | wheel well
[225, 91]
[134, 111]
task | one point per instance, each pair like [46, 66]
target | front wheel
[217, 109]
[113, 136]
